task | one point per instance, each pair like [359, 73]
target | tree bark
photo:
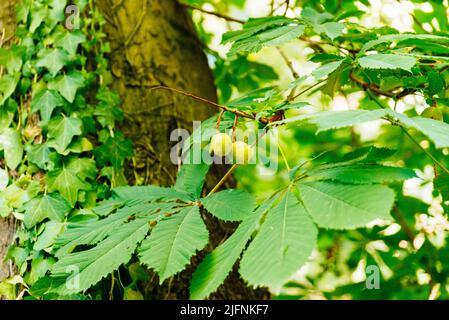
[7, 228]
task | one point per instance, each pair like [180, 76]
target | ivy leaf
[62, 129]
[10, 142]
[224, 206]
[52, 59]
[173, 242]
[70, 41]
[191, 179]
[85, 168]
[67, 183]
[38, 15]
[42, 156]
[46, 101]
[12, 58]
[283, 244]
[387, 61]
[67, 85]
[215, 267]
[114, 150]
[8, 84]
[342, 206]
[52, 206]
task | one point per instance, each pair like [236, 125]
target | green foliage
[342, 200]
[223, 204]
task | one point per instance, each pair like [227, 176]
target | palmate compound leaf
[191, 178]
[341, 206]
[437, 131]
[283, 244]
[340, 119]
[173, 242]
[401, 37]
[216, 266]
[90, 233]
[272, 37]
[328, 120]
[361, 173]
[94, 264]
[230, 204]
[387, 61]
[148, 193]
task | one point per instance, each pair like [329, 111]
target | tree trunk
[7, 228]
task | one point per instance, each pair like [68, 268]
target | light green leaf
[387, 61]
[42, 156]
[67, 183]
[11, 59]
[46, 101]
[62, 129]
[38, 15]
[85, 168]
[173, 242]
[11, 143]
[8, 84]
[52, 59]
[4, 179]
[230, 204]
[283, 244]
[52, 206]
[67, 85]
[342, 206]
[70, 41]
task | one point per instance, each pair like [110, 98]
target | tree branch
[213, 13]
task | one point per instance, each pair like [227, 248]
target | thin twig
[219, 106]
[220, 183]
[213, 13]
